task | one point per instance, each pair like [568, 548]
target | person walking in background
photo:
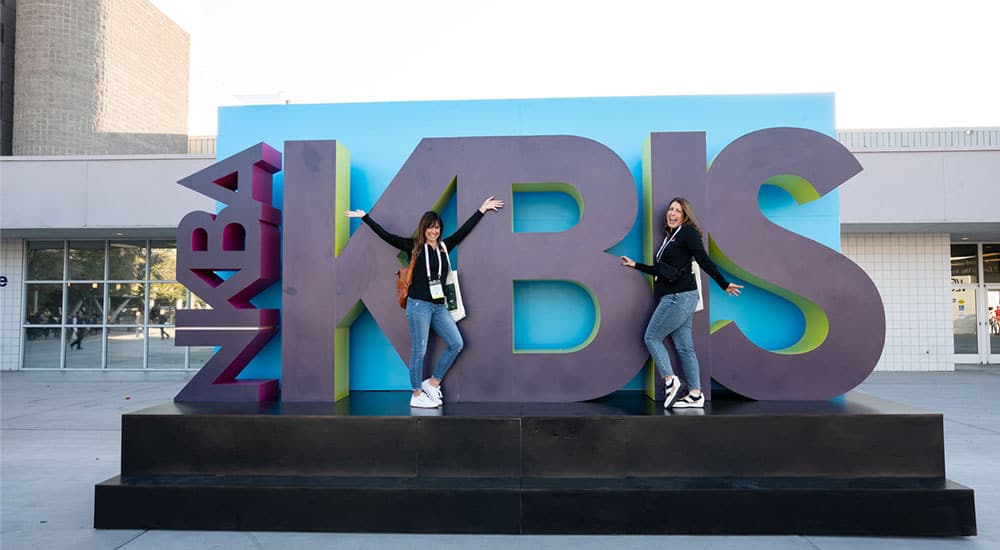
[76, 341]
[425, 304]
[157, 317]
[676, 293]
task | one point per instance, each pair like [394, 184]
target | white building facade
[923, 220]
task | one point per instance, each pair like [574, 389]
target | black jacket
[672, 271]
[420, 288]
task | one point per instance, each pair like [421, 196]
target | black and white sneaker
[671, 387]
[689, 401]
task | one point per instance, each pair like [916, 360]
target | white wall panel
[98, 192]
[913, 273]
[11, 302]
[934, 187]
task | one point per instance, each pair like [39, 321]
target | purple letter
[243, 239]
[845, 319]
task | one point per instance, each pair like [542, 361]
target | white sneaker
[424, 401]
[672, 387]
[689, 401]
[433, 392]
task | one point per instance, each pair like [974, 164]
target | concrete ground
[60, 435]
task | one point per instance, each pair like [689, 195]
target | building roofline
[162, 156]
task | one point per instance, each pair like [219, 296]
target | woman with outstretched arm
[425, 304]
[677, 296]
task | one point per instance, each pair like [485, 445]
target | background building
[89, 205]
[8, 23]
[922, 220]
[98, 77]
[95, 106]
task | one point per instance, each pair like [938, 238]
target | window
[163, 260]
[94, 304]
[127, 260]
[964, 264]
[86, 260]
[991, 263]
[45, 260]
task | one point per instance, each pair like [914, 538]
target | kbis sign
[812, 325]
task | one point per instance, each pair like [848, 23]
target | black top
[420, 288]
[672, 271]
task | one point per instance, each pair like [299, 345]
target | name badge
[437, 291]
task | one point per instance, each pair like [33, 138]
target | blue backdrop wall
[380, 137]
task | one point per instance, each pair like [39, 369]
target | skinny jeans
[672, 317]
[421, 317]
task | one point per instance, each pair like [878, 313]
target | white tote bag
[696, 269]
[452, 292]
[453, 296]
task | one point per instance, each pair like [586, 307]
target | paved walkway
[61, 435]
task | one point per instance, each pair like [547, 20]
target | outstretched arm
[491, 203]
[698, 253]
[402, 243]
[660, 269]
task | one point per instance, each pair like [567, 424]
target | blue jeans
[421, 316]
[673, 317]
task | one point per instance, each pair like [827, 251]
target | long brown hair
[428, 219]
[689, 219]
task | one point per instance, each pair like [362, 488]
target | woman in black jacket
[677, 294]
[425, 307]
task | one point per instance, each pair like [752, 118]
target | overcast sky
[891, 64]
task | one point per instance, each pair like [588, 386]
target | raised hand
[491, 204]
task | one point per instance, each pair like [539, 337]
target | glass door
[991, 326]
[964, 320]
[965, 283]
[990, 341]
[975, 302]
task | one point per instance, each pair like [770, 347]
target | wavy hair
[689, 218]
[427, 220]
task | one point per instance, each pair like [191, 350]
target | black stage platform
[852, 466]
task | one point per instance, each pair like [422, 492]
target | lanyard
[663, 246]
[427, 262]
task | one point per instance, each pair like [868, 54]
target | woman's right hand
[355, 213]
[627, 262]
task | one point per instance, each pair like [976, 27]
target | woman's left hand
[733, 289]
[491, 204]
